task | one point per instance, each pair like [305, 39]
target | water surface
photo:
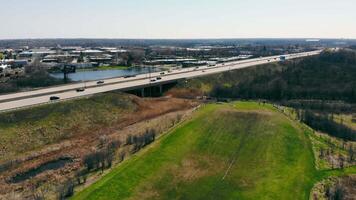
[104, 74]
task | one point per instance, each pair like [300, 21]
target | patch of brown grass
[195, 167]
[187, 93]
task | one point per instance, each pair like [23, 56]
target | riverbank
[102, 68]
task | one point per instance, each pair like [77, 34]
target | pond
[104, 74]
[51, 165]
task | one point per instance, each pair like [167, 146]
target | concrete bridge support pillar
[160, 89]
[143, 92]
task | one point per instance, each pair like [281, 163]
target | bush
[103, 158]
[66, 190]
[142, 140]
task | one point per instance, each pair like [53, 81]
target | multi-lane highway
[69, 91]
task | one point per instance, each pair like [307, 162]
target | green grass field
[230, 151]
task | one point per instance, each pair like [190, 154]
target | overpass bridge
[42, 96]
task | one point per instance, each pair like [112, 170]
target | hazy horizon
[173, 19]
[236, 38]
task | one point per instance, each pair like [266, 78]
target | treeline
[325, 123]
[140, 141]
[103, 158]
[32, 80]
[321, 106]
[329, 76]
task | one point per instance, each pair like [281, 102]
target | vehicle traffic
[53, 98]
[129, 76]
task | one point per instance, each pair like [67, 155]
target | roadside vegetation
[328, 76]
[25, 130]
[32, 80]
[48, 150]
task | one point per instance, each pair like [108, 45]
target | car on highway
[53, 98]
[203, 71]
[159, 78]
[153, 80]
[129, 76]
[100, 82]
[80, 89]
[162, 73]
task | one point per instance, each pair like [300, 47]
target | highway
[66, 92]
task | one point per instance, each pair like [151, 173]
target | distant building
[194, 63]
[12, 63]
[89, 52]
[36, 53]
[102, 59]
[57, 58]
[3, 66]
[170, 61]
[230, 59]
[198, 49]
[70, 49]
[7, 72]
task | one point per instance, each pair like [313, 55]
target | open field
[240, 151]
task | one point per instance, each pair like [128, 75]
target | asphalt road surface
[66, 92]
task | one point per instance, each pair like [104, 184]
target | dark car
[129, 76]
[162, 73]
[153, 80]
[53, 98]
[158, 78]
[100, 82]
[80, 89]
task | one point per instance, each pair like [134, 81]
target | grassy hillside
[29, 129]
[240, 151]
[49, 147]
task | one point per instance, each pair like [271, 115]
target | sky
[177, 19]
